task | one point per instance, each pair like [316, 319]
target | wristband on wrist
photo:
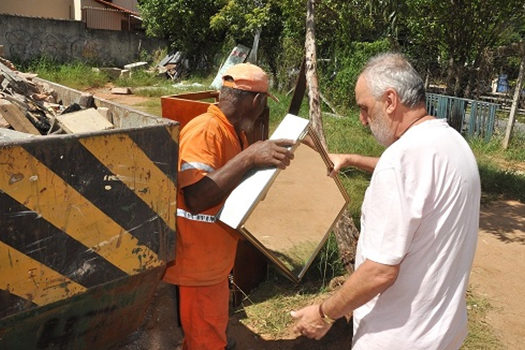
[324, 317]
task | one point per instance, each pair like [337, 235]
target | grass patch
[76, 75]
[480, 335]
[268, 308]
[141, 77]
[267, 311]
[502, 172]
[155, 91]
[500, 183]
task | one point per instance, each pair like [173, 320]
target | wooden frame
[288, 214]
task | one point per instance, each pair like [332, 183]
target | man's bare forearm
[342, 161]
[365, 283]
[217, 185]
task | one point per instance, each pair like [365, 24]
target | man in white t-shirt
[419, 223]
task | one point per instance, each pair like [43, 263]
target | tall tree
[242, 19]
[311, 73]
[460, 30]
[185, 24]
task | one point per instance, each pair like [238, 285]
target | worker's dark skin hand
[270, 153]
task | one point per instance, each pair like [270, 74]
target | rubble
[121, 91]
[83, 121]
[16, 118]
[136, 65]
[125, 73]
[86, 100]
[173, 65]
[31, 107]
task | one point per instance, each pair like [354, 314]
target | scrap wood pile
[173, 65]
[33, 107]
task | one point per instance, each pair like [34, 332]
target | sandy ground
[496, 275]
[498, 269]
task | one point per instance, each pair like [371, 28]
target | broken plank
[16, 118]
[83, 121]
[16, 82]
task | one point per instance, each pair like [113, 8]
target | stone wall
[26, 38]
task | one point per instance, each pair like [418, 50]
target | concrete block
[106, 113]
[121, 91]
[86, 100]
[83, 121]
[125, 73]
[136, 65]
[113, 73]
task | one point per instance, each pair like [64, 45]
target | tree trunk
[311, 73]
[346, 235]
[515, 99]
[345, 231]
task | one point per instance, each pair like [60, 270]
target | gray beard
[379, 127]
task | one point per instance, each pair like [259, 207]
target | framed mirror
[288, 214]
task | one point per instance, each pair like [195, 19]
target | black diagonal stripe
[11, 304]
[81, 170]
[35, 237]
[160, 147]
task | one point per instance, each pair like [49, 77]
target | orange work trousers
[204, 316]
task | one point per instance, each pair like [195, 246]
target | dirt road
[498, 269]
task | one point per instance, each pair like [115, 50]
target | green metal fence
[469, 117]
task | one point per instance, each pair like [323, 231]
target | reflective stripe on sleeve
[197, 217]
[196, 165]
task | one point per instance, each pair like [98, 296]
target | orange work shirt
[205, 249]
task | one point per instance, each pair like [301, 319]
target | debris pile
[173, 66]
[29, 106]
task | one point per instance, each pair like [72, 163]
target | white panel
[243, 198]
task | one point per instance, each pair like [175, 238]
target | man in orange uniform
[213, 158]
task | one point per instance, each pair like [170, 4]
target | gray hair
[392, 70]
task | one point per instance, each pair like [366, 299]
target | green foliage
[241, 18]
[480, 334]
[186, 26]
[458, 32]
[139, 77]
[77, 75]
[346, 67]
[497, 182]
[498, 177]
[516, 150]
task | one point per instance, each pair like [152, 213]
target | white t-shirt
[421, 211]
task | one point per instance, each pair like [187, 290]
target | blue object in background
[503, 84]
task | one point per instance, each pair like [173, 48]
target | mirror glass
[292, 220]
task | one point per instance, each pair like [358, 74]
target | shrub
[339, 77]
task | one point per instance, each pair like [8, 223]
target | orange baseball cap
[247, 77]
